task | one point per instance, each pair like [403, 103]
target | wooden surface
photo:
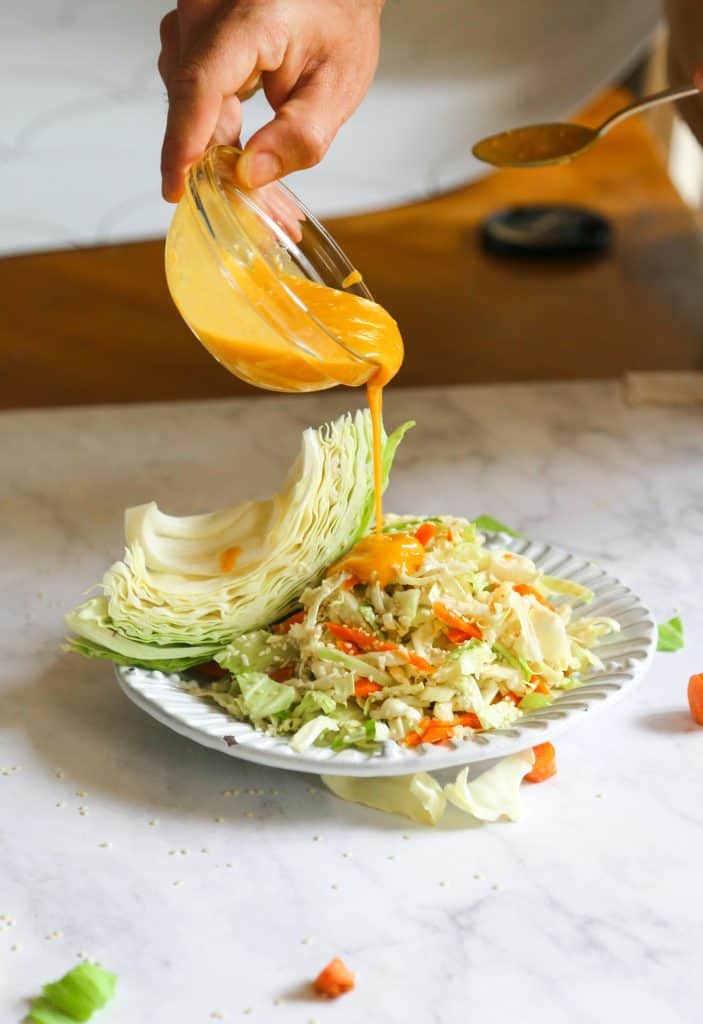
[98, 325]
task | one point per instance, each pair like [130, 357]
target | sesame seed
[346, 854]
[60, 804]
[172, 853]
[204, 850]
[479, 877]
[154, 822]
[184, 853]
[81, 793]
[443, 884]
[250, 815]
[227, 792]
[496, 886]
[179, 881]
[306, 942]
[15, 948]
[390, 857]
[316, 839]
[406, 837]
[599, 796]
[248, 1010]
[334, 886]
[105, 846]
[217, 1015]
[219, 820]
[229, 865]
[59, 773]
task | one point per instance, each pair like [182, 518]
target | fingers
[196, 88]
[299, 135]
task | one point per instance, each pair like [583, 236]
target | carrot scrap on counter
[523, 589]
[363, 687]
[457, 623]
[425, 533]
[545, 763]
[334, 980]
[695, 697]
[283, 627]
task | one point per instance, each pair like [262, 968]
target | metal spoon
[539, 144]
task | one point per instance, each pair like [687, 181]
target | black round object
[546, 231]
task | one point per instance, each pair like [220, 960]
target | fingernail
[256, 169]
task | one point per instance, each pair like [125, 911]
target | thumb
[298, 137]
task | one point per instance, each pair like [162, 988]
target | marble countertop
[117, 841]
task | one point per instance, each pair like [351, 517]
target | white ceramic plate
[626, 657]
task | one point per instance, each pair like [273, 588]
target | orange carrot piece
[438, 732]
[282, 675]
[524, 589]
[334, 980]
[545, 763]
[363, 687]
[362, 639]
[425, 533]
[350, 583]
[347, 648]
[413, 739]
[417, 662]
[695, 697]
[283, 627]
[541, 685]
[468, 718]
[456, 622]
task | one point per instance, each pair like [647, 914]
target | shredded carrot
[283, 627]
[282, 675]
[438, 732]
[524, 589]
[425, 533]
[545, 763]
[350, 583]
[413, 739]
[417, 662]
[541, 685]
[347, 648]
[364, 641]
[695, 697]
[468, 718]
[363, 687]
[457, 622]
[334, 980]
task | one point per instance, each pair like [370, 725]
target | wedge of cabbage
[169, 590]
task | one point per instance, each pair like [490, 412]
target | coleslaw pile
[471, 640]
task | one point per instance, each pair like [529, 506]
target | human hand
[315, 59]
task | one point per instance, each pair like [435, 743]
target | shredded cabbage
[398, 663]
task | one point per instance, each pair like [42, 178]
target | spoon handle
[665, 96]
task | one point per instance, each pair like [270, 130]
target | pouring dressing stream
[270, 295]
